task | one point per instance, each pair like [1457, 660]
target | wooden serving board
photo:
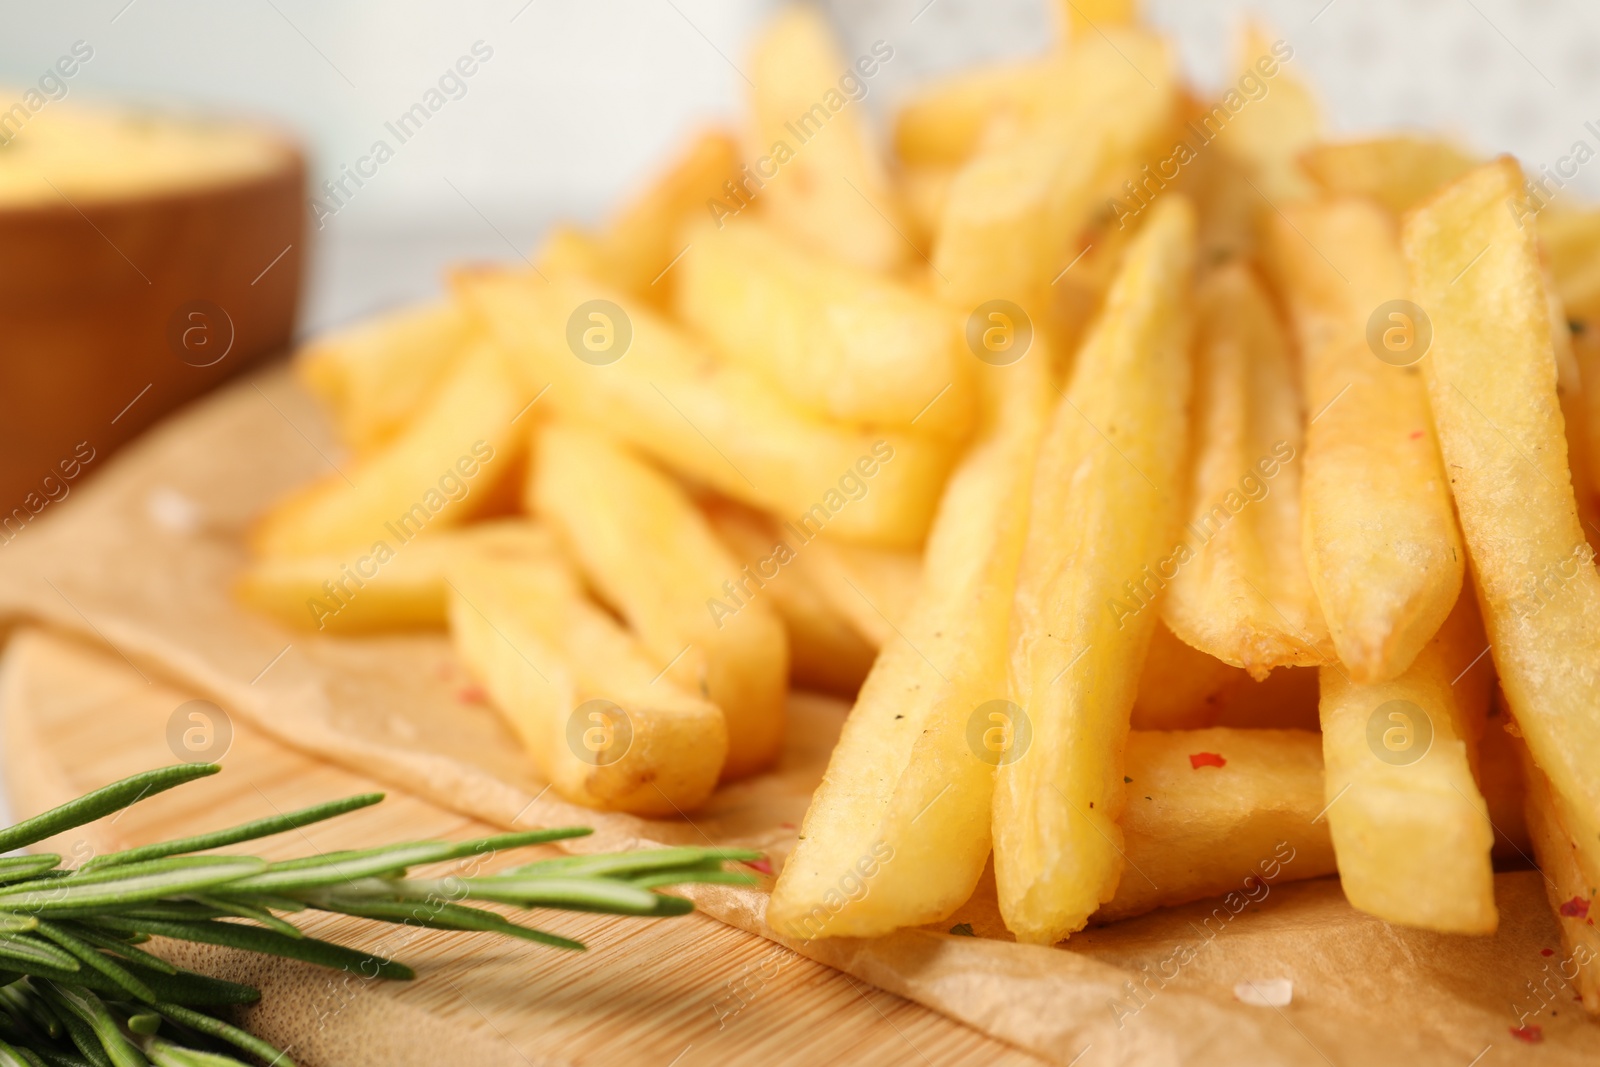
[681, 992]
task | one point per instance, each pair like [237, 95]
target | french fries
[844, 343]
[1410, 828]
[374, 591]
[827, 187]
[1245, 596]
[1570, 890]
[718, 424]
[1104, 507]
[431, 477]
[1266, 133]
[905, 800]
[1180, 687]
[707, 626]
[874, 588]
[578, 690]
[1397, 172]
[1219, 813]
[1569, 238]
[1491, 378]
[944, 124]
[373, 377]
[1380, 542]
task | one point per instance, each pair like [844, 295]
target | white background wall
[582, 97]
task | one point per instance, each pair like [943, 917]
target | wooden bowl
[142, 261]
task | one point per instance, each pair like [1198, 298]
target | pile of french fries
[1048, 436]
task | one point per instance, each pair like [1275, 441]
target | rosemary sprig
[75, 990]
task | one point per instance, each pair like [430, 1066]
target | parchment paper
[143, 558]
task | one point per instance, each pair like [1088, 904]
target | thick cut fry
[650, 554]
[436, 474]
[843, 343]
[721, 425]
[1219, 813]
[1571, 240]
[1491, 378]
[394, 586]
[1015, 208]
[1381, 545]
[1398, 172]
[579, 691]
[945, 122]
[904, 805]
[924, 189]
[1105, 505]
[1245, 596]
[1180, 687]
[375, 376]
[1083, 17]
[1410, 827]
[1265, 134]
[872, 587]
[1500, 779]
[1571, 893]
[829, 189]
[826, 651]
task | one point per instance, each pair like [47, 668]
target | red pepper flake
[1415, 434]
[472, 694]
[787, 825]
[1532, 1034]
[1547, 952]
[1206, 759]
[763, 865]
[1576, 908]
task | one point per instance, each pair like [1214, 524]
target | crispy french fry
[1105, 505]
[945, 122]
[1219, 813]
[1015, 207]
[649, 553]
[1180, 687]
[1584, 340]
[1083, 17]
[841, 342]
[829, 188]
[1571, 240]
[1380, 542]
[720, 425]
[1570, 890]
[924, 189]
[1581, 448]
[1267, 133]
[1500, 779]
[578, 690]
[1491, 377]
[375, 376]
[1245, 596]
[1410, 827]
[1398, 172]
[904, 804]
[401, 587]
[826, 651]
[434, 475]
[872, 587]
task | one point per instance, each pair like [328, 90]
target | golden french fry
[1571, 240]
[646, 549]
[904, 805]
[1014, 209]
[924, 189]
[1581, 447]
[872, 587]
[436, 474]
[1584, 339]
[1398, 172]
[1181, 687]
[945, 122]
[1245, 596]
[1500, 779]
[1491, 377]
[375, 376]
[1105, 505]
[1219, 813]
[843, 343]
[1266, 133]
[1410, 827]
[395, 587]
[1570, 890]
[659, 391]
[827, 185]
[1380, 542]
[1083, 17]
[825, 650]
[578, 690]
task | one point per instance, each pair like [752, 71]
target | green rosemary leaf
[127, 883]
[12, 1057]
[21, 1001]
[18, 868]
[249, 831]
[92, 1010]
[17, 924]
[623, 863]
[315, 872]
[220, 1030]
[195, 990]
[443, 916]
[691, 875]
[120, 947]
[92, 806]
[87, 954]
[80, 1032]
[20, 948]
[579, 894]
[267, 942]
[145, 1023]
[56, 1058]
[166, 1054]
[254, 914]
